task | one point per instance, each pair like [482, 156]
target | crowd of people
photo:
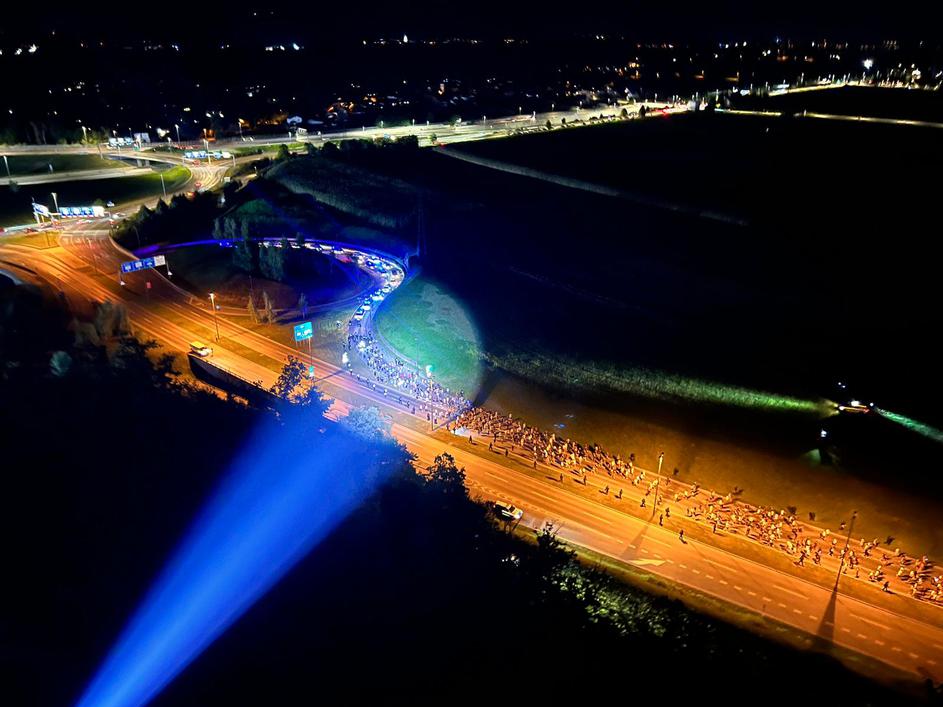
[416, 389]
[777, 529]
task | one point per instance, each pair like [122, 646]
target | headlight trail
[285, 493]
[913, 425]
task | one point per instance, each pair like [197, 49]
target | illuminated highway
[892, 629]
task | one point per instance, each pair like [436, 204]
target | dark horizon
[730, 20]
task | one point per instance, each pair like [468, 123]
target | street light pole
[55, 200]
[178, 132]
[6, 162]
[162, 185]
[215, 318]
[661, 458]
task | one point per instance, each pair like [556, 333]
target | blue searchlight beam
[285, 493]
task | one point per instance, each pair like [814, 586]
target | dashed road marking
[913, 655]
[861, 635]
[937, 646]
[846, 630]
[723, 581]
[896, 649]
[695, 571]
[709, 576]
[780, 605]
[767, 599]
[931, 661]
[682, 565]
[880, 643]
[790, 591]
[723, 567]
[812, 616]
[797, 611]
[645, 550]
[739, 589]
[753, 594]
[873, 623]
[634, 547]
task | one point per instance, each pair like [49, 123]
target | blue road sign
[303, 331]
[135, 265]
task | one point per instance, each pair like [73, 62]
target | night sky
[727, 19]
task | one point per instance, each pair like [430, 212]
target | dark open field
[902, 103]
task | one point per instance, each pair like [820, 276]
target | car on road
[508, 511]
[200, 349]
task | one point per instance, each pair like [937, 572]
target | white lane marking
[723, 567]
[937, 646]
[682, 565]
[780, 605]
[812, 616]
[913, 655]
[880, 643]
[797, 611]
[753, 594]
[645, 550]
[739, 589]
[861, 635]
[790, 591]
[873, 623]
[767, 599]
[896, 649]
[846, 630]
[931, 662]
[634, 547]
[695, 571]
[670, 562]
[723, 581]
[708, 576]
[660, 542]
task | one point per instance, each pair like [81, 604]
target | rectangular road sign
[135, 265]
[303, 331]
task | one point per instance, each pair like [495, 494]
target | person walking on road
[681, 535]
[661, 519]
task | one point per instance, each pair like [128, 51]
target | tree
[303, 305]
[242, 255]
[290, 378]
[642, 111]
[330, 149]
[445, 476]
[59, 363]
[433, 139]
[624, 113]
[268, 312]
[272, 263]
[283, 153]
[549, 124]
[310, 149]
[252, 310]
[367, 422]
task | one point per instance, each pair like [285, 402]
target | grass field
[15, 206]
[23, 165]
[425, 323]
